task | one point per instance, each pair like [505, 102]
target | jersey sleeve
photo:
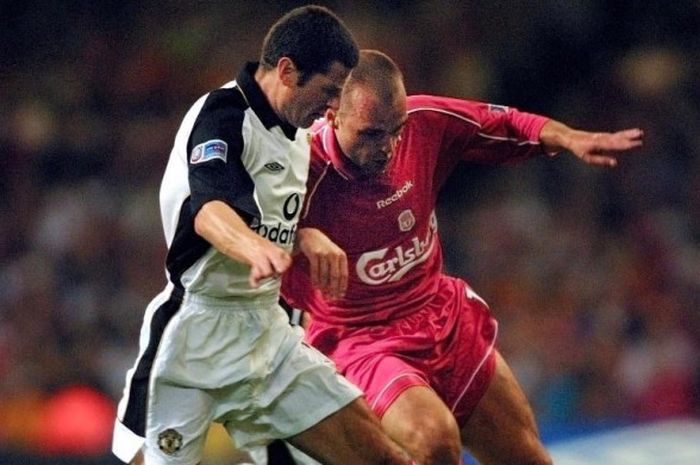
[481, 132]
[215, 146]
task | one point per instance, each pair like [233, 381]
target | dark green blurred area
[593, 274]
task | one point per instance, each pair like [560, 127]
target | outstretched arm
[594, 148]
[223, 228]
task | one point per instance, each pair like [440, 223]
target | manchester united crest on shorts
[170, 441]
[406, 220]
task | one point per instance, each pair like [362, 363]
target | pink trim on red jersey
[394, 380]
[311, 193]
[446, 112]
[509, 139]
[478, 367]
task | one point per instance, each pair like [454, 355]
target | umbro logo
[274, 167]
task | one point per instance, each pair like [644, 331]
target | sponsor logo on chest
[280, 233]
[389, 265]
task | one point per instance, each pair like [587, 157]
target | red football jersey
[386, 224]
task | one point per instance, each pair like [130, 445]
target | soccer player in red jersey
[420, 343]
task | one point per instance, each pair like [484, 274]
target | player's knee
[441, 454]
[540, 456]
[535, 459]
[394, 458]
[434, 443]
[532, 452]
[388, 452]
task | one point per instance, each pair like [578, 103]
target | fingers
[270, 264]
[621, 140]
[329, 273]
[256, 275]
[314, 269]
[600, 160]
[337, 281]
[635, 134]
[602, 149]
[328, 264]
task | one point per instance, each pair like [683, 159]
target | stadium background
[593, 274]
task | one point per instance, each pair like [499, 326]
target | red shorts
[447, 345]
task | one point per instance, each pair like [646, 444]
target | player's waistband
[254, 302]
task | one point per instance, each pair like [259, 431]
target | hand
[266, 261]
[328, 262]
[602, 148]
[594, 148]
[225, 229]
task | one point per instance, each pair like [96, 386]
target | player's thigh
[502, 428]
[353, 434]
[138, 460]
[178, 421]
[420, 421]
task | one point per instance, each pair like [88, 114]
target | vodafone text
[276, 233]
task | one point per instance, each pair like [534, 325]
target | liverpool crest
[406, 220]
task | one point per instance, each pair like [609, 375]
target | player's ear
[287, 72]
[332, 118]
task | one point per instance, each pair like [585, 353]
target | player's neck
[270, 86]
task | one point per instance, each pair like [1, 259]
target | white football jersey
[232, 147]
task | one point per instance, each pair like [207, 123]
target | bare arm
[224, 229]
[328, 262]
[594, 148]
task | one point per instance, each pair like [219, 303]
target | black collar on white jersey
[259, 103]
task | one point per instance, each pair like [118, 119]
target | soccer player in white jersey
[419, 343]
[215, 345]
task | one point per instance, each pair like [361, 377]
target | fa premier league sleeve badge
[209, 150]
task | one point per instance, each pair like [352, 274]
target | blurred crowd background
[594, 274]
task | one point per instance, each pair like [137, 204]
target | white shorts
[239, 363]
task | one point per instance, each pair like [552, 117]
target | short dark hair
[378, 72]
[313, 37]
